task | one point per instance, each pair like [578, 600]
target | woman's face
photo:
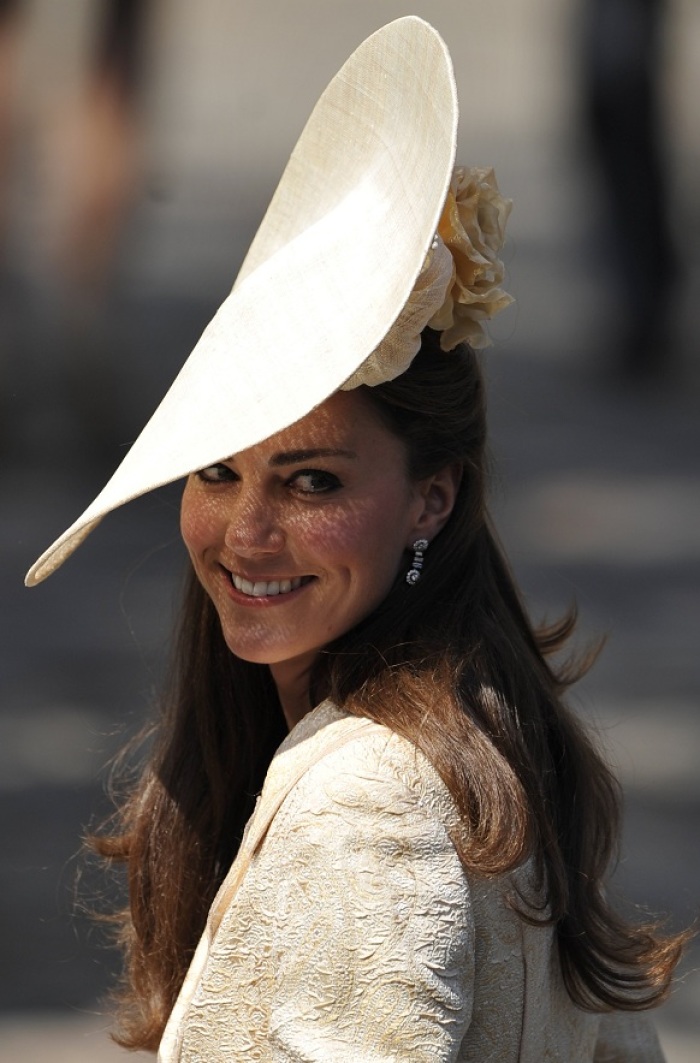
[300, 537]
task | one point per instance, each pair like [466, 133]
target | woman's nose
[253, 529]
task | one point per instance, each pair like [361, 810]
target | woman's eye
[314, 482]
[215, 474]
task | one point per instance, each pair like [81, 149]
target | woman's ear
[438, 493]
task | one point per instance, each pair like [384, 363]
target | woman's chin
[276, 657]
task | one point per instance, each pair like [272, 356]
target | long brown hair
[451, 663]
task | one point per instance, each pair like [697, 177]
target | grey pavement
[596, 482]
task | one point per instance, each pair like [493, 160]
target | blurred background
[139, 145]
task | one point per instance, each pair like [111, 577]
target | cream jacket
[348, 932]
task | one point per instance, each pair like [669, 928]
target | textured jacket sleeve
[354, 938]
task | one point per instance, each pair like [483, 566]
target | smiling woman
[295, 554]
[369, 827]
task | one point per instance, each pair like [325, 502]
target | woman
[421, 877]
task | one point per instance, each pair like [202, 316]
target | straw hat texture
[343, 244]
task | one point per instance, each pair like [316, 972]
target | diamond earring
[413, 574]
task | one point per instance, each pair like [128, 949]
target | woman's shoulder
[335, 756]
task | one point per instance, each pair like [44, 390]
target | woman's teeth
[261, 589]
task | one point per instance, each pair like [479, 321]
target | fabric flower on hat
[458, 288]
[402, 342]
[472, 227]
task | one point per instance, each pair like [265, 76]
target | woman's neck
[292, 682]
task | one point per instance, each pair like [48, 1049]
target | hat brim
[328, 273]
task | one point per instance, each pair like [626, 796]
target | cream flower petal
[402, 342]
[473, 228]
[458, 289]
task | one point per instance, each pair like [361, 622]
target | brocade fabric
[348, 930]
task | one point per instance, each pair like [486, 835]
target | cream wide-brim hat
[329, 271]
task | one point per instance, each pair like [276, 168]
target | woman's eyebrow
[295, 457]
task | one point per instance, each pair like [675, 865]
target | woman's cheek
[198, 519]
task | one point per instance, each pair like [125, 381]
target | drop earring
[413, 574]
